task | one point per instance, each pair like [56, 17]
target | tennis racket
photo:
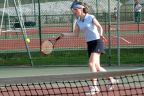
[48, 45]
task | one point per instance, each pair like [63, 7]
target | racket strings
[48, 45]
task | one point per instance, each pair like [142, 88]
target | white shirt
[88, 27]
[137, 8]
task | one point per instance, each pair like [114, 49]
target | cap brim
[77, 6]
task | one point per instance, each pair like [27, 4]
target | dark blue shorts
[95, 46]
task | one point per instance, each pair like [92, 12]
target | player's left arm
[100, 29]
[140, 7]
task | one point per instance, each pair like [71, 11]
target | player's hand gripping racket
[48, 45]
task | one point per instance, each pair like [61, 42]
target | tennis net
[130, 83]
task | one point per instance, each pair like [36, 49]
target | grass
[74, 58]
[127, 56]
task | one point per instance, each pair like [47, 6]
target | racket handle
[58, 38]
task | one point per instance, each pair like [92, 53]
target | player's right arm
[72, 34]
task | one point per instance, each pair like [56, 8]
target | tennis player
[137, 11]
[93, 32]
[115, 13]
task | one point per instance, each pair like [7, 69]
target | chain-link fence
[46, 19]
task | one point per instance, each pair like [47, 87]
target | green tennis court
[25, 71]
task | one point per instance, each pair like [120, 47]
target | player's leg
[94, 58]
[139, 16]
[136, 17]
[94, 50]
[100, 68]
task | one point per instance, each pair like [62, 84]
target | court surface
[38, 71]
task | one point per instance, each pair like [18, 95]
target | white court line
[123, 39]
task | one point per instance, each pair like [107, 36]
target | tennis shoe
[93, 90]
[111, 83]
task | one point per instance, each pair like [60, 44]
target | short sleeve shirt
[88, 27]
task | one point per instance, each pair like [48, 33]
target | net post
[109, 32]
[118, 32]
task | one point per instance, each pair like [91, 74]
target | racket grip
[58, 38]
